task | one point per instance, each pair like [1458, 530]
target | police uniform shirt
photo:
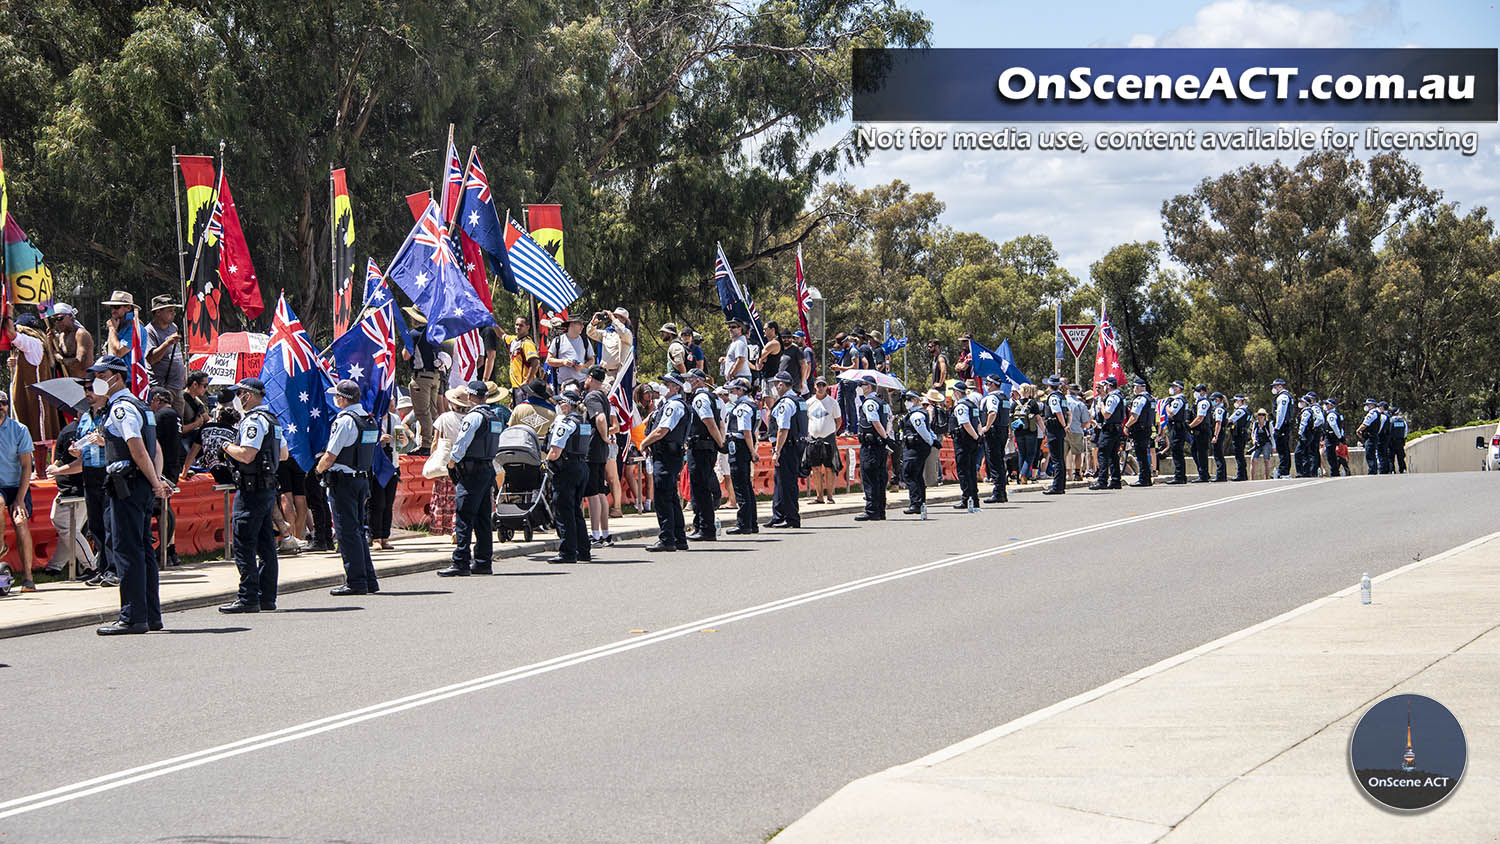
[1219, 414]
[918, 422]
[1175, 404]
[671, 413]
[870, 410]
[473, 422]
[1138, 406]
[1304, 420]
[1201, 409]
[1055, 405]
[343, 434]
[1318, 417]
[1372, 422]
[1336, 423]
[1236, 416]
[703, 405]
[1111, 403]
[1283, 408]
[125, 420]
[744, 416]
[785, 412]
[963, 412]
[563, 428]
[991, 404]
[253, 429]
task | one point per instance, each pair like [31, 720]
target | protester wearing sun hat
[164, 349]
[611, 330]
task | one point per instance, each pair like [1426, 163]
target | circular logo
[1408, 752]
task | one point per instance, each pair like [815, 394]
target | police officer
[345, 471]
[1387, 439]
[705, 441]
[789, 420]
[567, 454]
[874, 431]
[1239, 434]
[1201, 427]
[131, 479]
[966, 449]
[1319, 430]
[666, 442]
[1219, 417]
[257, 453]
[472, 468]
[1281, 427]
[1304, 429]
[1333, 435]
[1177, 413]
[995, 411]
[1369, 433]
[1111, 431]
[740, 440]
[917, 440]
[1055, 411]
[1141, 423]
[1398, 440]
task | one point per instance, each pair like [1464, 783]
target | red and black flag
[343, 255]
[202, 305]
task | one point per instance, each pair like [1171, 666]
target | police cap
[1240, 397]
[1217, 395]
[476, 388]
[1384, 404]
[568, 396]
[347, 389]
[1201, 388]
[868, 379]
[1177, 384]
[1279, 382]
[110, 363]
[697, 375]
[740, 384]
[1111, 381]
[672, 378]
[252, 384]
[992, 378]
[1370, 402]
[786, 378]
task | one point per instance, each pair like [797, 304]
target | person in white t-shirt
[570, 354]
[823, 417]
[737, 356]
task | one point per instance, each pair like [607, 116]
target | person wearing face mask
[789, 420]
[1141, 424]
[255, 455]
[966, 447]
[1281, 427]
[1176, 411]
[915, 431]
[132, 479]
[874, 433]
[1202, 426]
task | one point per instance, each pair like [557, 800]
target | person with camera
[255, 456]
[611, 330]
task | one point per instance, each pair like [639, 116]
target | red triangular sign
[1077, 336]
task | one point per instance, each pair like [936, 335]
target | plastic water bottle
[716, 525]
[1364, 589]
[924, 511]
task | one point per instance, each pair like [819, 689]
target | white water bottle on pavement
[924, 511]
[1364, 589]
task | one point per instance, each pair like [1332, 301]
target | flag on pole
[535, 270]
[481, 223]
[27, 278]
[891, 345]
[453, 180]
[622, 399]
[367, 355]
[140, 371]
[1002, 363]
[427, 271]
[545, 222]
[735, 301]
[377, 293]
[4, 197]
[297, 387]
[468, 351]
[225, 254]
[343, 253]
[418, 203]
[804, 300]
[1107, 362]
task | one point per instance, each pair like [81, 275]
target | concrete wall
[1450, 451]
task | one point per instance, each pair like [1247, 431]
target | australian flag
[377, 293]
[891, 345]
[366, 354]
[297, 387]
[736, 302]
[479, 220]
[1001, 363]
[428, 273]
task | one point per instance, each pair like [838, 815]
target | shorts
[10, 498]
[1075, 443]
[821, 452]
[1262, 451]
[598, 482]
[290, 478]
[721, 467]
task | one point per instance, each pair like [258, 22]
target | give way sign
[1077, 336]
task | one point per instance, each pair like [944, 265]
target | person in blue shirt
[345, 466]
[665, 444]
[15, 485]
[1369, 432]
[567, 454]
[472, 467]
[89, 451]
[258, 450]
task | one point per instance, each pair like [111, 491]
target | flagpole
[181, 252]
[333, 253]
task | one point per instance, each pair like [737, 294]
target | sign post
[1077, 337]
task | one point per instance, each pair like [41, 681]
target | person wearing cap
[1140, 423]
[1368, 432]
[471, 465]
[569, 353]
[823, 417]
[966, 447]
[665, 444]
[595, 412]
[1176, 416]
[164, 349]
[132, 479]
[677, 353]
[914, 429]
[1387, 439]
[694, 342]
[255, 455]
[568, 446]
[1111, 432]
[1239, 434]
[809, 361]
[72, 344]
[705, 440]
[1200, 426]
[1281, 427]
[845, 358]
[791, 362]
[875, 432]
[789, 420]
[1055, 414]
[739, 436]
[345, 466]
[1398, 441]
[737, 355]
[611, 330]
[1306, 434]
[1218, 429]
[118, 334]
[994, 429]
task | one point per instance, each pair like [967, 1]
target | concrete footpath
[63, 604]
[1243, 739]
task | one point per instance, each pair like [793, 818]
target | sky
[1091, 202]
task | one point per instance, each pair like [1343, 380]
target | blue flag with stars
[1001, 363]
[297, 387]
[366, 354]
[481, 222]
[377, 293]
[428, 273]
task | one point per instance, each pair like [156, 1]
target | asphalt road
[713, 724]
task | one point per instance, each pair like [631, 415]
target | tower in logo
[1409, 759]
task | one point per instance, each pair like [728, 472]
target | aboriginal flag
[343, 254]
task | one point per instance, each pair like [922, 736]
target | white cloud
[1252, 23]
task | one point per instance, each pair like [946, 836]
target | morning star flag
[1001, 363]
[297, 387]
[536, 271]
[480, 222]
[366, 354]
[735, 302]
[1107, 362]
[343, 253]
[377, 293]
[427, 271]
[804, 300]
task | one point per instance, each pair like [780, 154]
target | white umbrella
[882, 379]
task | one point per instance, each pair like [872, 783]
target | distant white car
[1492, 451]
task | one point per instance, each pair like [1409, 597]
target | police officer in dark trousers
[132, 478]
[345, 471]
[1315, 435]
[994, 431]
[1307, 438]
[472, 468]
[1281, 427]
[1111, 431]
[705, 440]
[966, 447]
[1239, 434]
[1333, 434]
[740, 440]
[1141, 423]
[1219, 415]
[789, 420]
[1387, 440]
[874, 432]
[567, 454]
[1398, 440]
[1201, 427]
[665, 443]
[917, 439]
[1177, 412]
[1055, 411]
[1369, 433]
[259, 450]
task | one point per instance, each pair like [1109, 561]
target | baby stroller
[523, 503]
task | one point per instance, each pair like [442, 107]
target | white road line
[119, 779]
